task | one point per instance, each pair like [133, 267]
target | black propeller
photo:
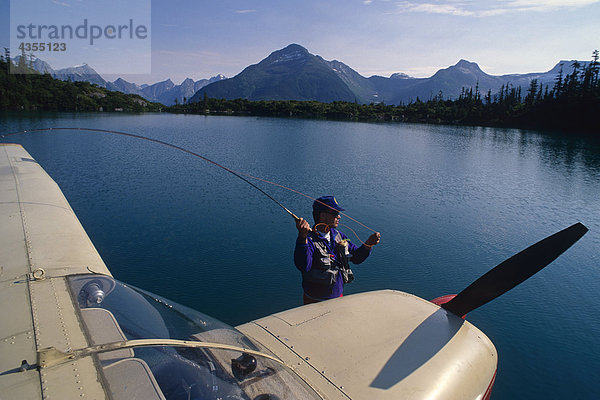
[514, 270]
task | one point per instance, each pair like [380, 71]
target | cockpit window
[115, 312]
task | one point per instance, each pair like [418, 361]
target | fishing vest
[324, 269]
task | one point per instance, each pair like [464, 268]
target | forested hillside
[572, 103]
[25, 89]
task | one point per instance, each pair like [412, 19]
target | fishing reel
[343, 257]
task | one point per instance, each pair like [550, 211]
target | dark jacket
[316, 259]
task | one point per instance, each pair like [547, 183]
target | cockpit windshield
[215, 362]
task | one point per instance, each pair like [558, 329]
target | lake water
[450, 203]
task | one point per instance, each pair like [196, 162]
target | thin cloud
[244, 11]
[367, 2]
[493, 8]
[434, 8]
[61, 3]
[545, 5]
[551, 3]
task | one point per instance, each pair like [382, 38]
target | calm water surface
[450, 202]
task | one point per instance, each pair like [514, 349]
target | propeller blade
[514, 270]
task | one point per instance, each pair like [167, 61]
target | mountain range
[165, 92]
[293, 73]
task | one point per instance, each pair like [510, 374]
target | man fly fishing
[322, 254]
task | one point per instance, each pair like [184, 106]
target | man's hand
[373, 239]
[303, 228]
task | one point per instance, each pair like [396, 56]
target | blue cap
[326, 203]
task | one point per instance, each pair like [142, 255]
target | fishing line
[352, 230]
[240, 175]
[159, 142]
[307, 196]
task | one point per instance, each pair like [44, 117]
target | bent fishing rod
[494, 283]
[238, 174]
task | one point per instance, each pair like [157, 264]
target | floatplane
[70, 330]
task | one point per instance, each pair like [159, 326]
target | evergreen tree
[573, 81]
[592, 70]
[558, 82]
[531, 92]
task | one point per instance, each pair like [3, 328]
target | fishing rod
[238, 174]
[162, 143]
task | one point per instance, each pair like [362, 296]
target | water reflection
[451, 202]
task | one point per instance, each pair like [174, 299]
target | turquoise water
[450, 203]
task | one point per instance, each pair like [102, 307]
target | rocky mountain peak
[293, 52]
[467, 67]
[400, 75]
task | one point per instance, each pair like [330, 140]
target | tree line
[24, 89]
[571, 103]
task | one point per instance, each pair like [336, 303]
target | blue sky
[200, 39]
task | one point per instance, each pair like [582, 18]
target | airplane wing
[41, 243]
